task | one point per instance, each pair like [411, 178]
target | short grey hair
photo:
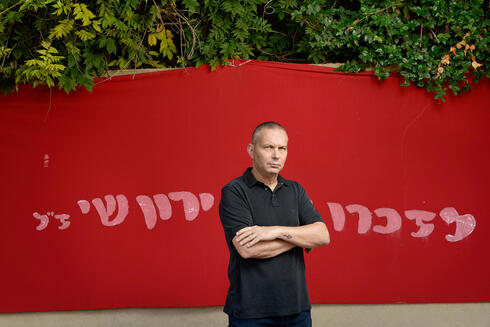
[267, 124]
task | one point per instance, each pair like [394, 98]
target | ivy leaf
[443, 37]
[67, 83]
[192, 5]
[475, 65]
[61, 8]
[434, 43]
[87, 82]
[152, 39]
[85, 35]
[111, 45]
[96, 60]
[96, 25]
[170, 41]
[83, 13]
[61, 30]
[7, 85]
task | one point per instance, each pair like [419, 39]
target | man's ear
[250, 150]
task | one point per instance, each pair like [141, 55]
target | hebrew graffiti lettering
[365, 217]
[149, 211]
[164, 206]
[84, 206]
[44, 220]
[393, 221]
[207, 201]
[160, 205]
[63, 218]
[105, 212]
[191, 206]
[421, 217]
[190, 202]
[465, 224]
[338, 215]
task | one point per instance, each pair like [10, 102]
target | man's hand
[306, 236]
[249, 236]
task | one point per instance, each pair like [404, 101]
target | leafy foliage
[437, 44]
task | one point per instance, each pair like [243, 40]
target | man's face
[270, 151]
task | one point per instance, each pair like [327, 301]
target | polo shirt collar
[250, 180]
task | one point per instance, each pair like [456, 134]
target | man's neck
[269, 180]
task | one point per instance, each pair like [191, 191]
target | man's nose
[275, 153]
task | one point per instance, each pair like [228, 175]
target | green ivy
[438, 45]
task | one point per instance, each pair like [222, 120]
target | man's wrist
[284, 234]
[274, 232]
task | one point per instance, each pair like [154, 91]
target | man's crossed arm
[263, 242]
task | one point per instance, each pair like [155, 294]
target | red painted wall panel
[146, 142]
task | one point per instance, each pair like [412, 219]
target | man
[267, 221]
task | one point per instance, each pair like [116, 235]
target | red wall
[160, 146]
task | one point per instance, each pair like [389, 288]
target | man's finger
[241, 231]
[243, 235]
[252, 243]
[247, 239]
[245, 229]
[256, 239]
[244, 239]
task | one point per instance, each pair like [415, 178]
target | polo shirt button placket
[275, 202]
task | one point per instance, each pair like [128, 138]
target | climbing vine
[438, 45]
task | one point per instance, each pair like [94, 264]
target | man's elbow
[325, 240]
[249, 253]
[243, 251]
[324, 237]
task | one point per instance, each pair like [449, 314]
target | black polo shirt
[265, 287]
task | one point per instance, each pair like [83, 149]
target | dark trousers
[302, 319]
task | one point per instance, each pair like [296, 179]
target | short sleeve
[307, 213]
[234, 211]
